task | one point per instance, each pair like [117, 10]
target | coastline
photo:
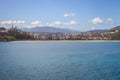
[66, 41]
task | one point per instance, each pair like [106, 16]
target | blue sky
[74, 14]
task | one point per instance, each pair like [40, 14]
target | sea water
[60, 61]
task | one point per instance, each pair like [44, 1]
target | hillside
[48, 29]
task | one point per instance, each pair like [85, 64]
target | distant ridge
[49, 29]
[118, 27]
[104, 30]
[99, 30]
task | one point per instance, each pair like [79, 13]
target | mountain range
[118, 27]
[50, 29]
[99, 30]
[104, 30]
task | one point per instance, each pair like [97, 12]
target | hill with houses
[39, 33]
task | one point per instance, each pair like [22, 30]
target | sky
[80, 15]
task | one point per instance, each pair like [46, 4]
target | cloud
[110, 20]
[10, 23]
[55, 23]
[72, 22]
[21, 23]
[63, 24]
[36, 23]
[101, 21]
[97, 21]
[59, 24]
[94, 27]
[69, 15]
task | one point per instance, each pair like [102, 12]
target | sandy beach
[67, 41]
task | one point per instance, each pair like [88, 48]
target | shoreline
[66, 41]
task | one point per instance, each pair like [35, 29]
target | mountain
[104, 30]
[49, 30]
[98, 30]
[118, 27]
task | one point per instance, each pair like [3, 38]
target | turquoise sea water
[60, 61]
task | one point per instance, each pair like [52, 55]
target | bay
[60, 61]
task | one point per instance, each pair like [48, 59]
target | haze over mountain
[104, 30]
[99, 30]
[49, 29]
[117, 27]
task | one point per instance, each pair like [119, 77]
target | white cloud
[21, 23]
[36, 23]
[110, 20]
[10, 23]
[105, 22]
[97, 21]
[55, 23]
[70, 23]
[94, 27]
[63, 24]
[69, 15]
[101, 21]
